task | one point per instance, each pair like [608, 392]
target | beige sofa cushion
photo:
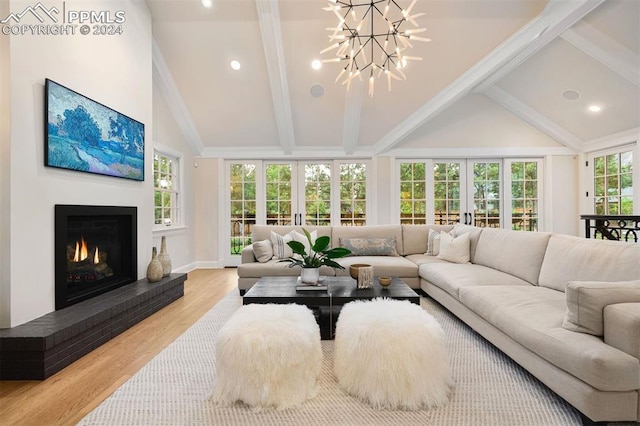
[414, 237]
[452, 276]
[275, 268]
[586, 302]
[514, 252]
[621, 325]
[533, 316]
[581, 259]
[419, 259]
[394, 266]
[369, 231]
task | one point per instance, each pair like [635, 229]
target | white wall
[114, 70]
[209, 192]
[562, 215]
[168, 138]
[5, 169]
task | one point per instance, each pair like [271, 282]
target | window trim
[508, 209]
[178, 224]
[590, 178]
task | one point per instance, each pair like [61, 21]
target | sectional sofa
[567, 309]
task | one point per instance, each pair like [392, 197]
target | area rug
[173, 388]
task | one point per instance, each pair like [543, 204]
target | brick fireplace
[95, 251]
[98, 295]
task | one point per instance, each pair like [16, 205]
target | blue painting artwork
[87, 136]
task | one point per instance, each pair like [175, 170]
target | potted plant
[320, 254]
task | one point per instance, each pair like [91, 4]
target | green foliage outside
[613, 184]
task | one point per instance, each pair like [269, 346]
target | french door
[298, 193]
[468, 191]
[313, 193]
[481, 192]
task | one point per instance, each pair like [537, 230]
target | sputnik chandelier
[371, 38]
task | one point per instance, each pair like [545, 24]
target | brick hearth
[44, 346]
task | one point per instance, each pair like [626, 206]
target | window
[353, 194]
[485, 193]
[613, 183]
[317, 194]
[413, 190]
[447, 178]
[525, 194]
[242, 204]
[278, 195]
[166, 189]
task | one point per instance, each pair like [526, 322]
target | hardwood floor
[66, 397]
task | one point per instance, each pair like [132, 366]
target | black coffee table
[325, 303]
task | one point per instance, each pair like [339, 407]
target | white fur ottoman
[268, 356]
[392, 355]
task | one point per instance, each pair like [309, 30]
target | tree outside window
[613, 184]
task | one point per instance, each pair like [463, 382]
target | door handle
[465, 218]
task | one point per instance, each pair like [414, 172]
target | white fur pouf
[392, 355]
[268, 356]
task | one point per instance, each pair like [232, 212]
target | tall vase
[164, 258]
[154, 270]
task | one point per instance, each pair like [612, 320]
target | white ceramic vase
[310, 275]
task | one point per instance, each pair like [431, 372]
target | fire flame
[82, 252]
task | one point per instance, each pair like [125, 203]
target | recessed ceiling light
[235, 65]
[594, 108]
[207, 3]
[316, 64]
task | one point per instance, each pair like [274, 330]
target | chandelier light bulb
[373, 35]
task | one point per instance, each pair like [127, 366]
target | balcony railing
[609, 227]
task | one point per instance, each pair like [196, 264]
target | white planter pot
[310, 275]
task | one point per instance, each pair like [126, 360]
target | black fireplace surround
[95, 287]
[95, 251]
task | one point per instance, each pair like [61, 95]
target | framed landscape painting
[86, 136]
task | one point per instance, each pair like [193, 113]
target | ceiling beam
[605, 50]
[615, 140]
[269, 19]
[535, 118]
[167, 86]
[556, 18]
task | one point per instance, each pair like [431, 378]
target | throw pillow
[370, 246]
[281, 249]
[454, 250]
[586, 301]
[263, 250]
[433, 243]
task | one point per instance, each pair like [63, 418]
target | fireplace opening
[95, 251]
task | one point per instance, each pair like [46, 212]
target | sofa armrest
[247, 255]
[622, 327]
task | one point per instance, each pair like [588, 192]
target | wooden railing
[611, 227]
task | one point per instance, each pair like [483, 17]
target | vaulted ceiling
[492, 61]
